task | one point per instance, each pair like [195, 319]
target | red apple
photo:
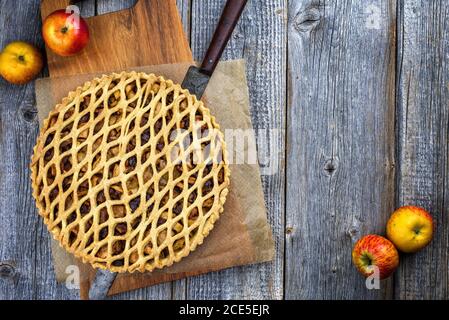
[65, 33]
[375, 251]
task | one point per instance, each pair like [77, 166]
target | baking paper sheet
[242, 235]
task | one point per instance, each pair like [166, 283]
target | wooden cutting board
[148, 33]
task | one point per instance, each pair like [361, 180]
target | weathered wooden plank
[45, 270]
[24, 241]
[177, 289]
[87, 7]
[184, 7]
[162, 291]
[340, 143]
[105, 6]
[260, 38]
[423, 115]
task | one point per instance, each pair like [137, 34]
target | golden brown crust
[107, 176]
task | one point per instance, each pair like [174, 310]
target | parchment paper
[242, 235]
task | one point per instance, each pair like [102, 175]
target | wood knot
[330, 166]
[7, 270]
[307, 20]
[288, 230]
[353, 232]
[29, 111]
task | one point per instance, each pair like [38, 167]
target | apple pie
[129, 172]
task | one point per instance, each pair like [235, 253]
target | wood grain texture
[163, 291]
[87, 7]
[260, 38]
[422, 117]
[340, 151]
[32, 276]
[340, 144]
[116, 37]
[184, 11]
[176, 289]
[24, 241]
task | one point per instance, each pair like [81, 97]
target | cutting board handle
[48, 6]
[228, 20]
[148, 33]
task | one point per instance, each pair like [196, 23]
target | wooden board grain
[147, 22]
[423, 116]
[176, 289]
[149, 32]
[340, 143]
[260, 38]
[162, 291]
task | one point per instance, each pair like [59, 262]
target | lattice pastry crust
[129, 172]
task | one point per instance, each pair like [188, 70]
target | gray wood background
[357, 92]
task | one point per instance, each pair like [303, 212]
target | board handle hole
[90, 8]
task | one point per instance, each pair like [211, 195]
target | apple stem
[64, 29]
[367, 260]
[21, 58]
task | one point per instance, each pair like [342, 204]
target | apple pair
[64, 33]
[409, 229]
